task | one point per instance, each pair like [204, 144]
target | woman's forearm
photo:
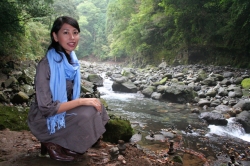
[69, 105]
[79, 102]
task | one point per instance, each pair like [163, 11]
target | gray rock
[156, 95]
[214, 118]
[179, 94]
[128, 87]
[203, 102]
[244, 119]
[96, 79]
[243, 105]
[20, 98]
[148, 91]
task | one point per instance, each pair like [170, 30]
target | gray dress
[84, 124]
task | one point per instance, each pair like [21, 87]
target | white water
[233, 129]
[108, 93]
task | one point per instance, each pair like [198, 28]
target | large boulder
[118, 129]
[20, 98]
[28, 75]
[156, 95]
[128, 87]
[13, 118]
[148, 91]
[179, 94]
[244, 119]
[214, 118]
[10, 82]
[96, 79]
[243, 105]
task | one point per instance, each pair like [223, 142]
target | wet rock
[156, 137]
[213, 118]
[28, 75]
[195, 110]
[215, 103]
[211, 92]
[96, 79]
[243, 118]
[228, 74]
[225, 82]
[201, 94]
[243, 104]
[179, 94]
[203, 102]
[209, 81]
[156, 95]
[128, 72]
[168, 134]
[161, 88]
[20, 98]
[222, 91]
[136, 138]
[128, 87]
[120, 80]
[148, 91]
[223, 109]
[9, 83]
[28, 89]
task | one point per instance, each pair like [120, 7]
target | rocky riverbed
[215, 89]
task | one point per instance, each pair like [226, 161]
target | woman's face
[68, 37]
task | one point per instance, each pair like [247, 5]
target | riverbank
[23, 149]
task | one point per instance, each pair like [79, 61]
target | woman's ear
[55, 36]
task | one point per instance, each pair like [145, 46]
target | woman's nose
[72, 36]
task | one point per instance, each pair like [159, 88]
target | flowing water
[149, 116]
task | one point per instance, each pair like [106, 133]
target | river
[149, 116]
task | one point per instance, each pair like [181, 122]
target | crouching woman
[65, 124]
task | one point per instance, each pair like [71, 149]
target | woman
[65, 124]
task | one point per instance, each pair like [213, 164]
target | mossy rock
[245, 83]
[161, 82]
[118, 129]
[13, 118]
[177, 159]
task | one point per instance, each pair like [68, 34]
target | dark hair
[58, 23]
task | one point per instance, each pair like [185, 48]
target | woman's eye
[65, 32]
[76, 33]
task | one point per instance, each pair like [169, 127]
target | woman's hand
[95, 102]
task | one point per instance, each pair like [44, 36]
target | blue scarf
[60, 71]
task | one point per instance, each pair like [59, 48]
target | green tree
[16, 14]
[92, 22]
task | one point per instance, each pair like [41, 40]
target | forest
[139, 32]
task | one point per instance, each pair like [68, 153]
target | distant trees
[158, 28]
[15, 16]
[92, 23]
[143, 31]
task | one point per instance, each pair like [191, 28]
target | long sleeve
[46, 105]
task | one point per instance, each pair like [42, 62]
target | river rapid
[149, 116]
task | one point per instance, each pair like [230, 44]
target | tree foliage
[143, 31]
[152, 29]
[15, 16]
[92, 23]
